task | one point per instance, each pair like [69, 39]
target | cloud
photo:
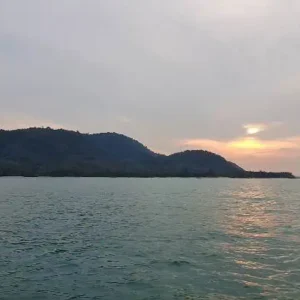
[252, 152]
[178, 68]
[252, 129]
[124, 120]
[232, 9]
[245, 146]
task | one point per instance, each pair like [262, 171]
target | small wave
[179, 263]
[56, 251]
[292, 260]
[75, 297]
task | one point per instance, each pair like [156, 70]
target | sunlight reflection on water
[258, 219]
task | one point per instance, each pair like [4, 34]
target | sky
[175, 74]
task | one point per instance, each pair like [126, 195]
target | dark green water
[149, 239]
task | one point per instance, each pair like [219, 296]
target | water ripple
[149, 239]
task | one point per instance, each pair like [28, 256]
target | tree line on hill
[58, 153]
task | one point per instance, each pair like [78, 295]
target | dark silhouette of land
[49, 152]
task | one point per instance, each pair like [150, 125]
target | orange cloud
[255, 145]
[254, 154]
[246, 146]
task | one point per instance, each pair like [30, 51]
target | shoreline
[143, 177]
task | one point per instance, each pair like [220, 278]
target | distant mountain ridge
[49, 152]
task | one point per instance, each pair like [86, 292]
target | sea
[142, 239]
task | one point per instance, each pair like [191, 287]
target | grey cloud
[201, 69]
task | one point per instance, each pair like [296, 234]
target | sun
[254, 128]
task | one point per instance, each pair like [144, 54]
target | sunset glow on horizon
[250, 149]
[247, 144]
[244, 145]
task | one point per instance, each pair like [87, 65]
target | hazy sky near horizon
[174, 74]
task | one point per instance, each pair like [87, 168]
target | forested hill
[49, 152]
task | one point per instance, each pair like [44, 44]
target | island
[57, 152]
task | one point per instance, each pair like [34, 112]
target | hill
[49, 152]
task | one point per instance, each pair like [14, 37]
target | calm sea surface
[154, 239]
